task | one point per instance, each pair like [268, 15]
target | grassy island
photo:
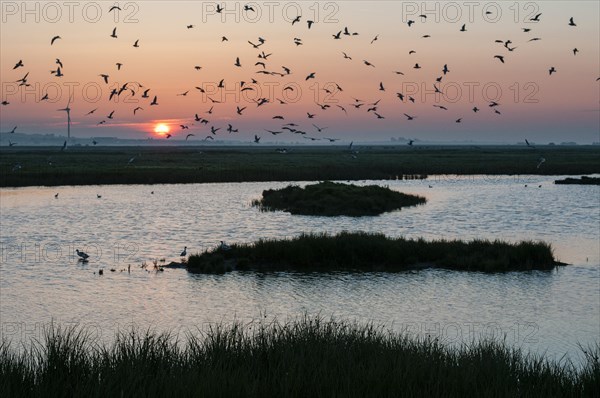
[335, 199]
[308, 357]
[584, 180]
[374, 252]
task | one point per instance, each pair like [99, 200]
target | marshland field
[483, 313]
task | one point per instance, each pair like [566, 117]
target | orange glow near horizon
[161, 129]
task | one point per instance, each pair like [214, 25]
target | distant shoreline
[49, 166]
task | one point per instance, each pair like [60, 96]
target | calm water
[547, 312]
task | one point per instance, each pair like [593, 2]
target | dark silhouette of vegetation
[584, 180]
[308, 357]
[374, 252]
[335, 199]
[30, 166]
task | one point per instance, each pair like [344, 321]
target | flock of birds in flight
[134, 88]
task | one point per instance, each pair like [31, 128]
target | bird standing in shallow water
[82, 255]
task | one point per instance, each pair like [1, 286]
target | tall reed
[309, 356]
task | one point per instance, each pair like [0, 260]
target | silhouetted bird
[82, 255]
[536, 18]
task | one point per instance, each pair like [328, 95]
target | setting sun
[161, 129]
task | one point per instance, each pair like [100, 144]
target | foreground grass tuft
[307, 357]
[335, 199]
[365, 251]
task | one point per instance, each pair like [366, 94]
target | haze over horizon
[533, 104]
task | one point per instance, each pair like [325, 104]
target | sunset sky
[533, 104]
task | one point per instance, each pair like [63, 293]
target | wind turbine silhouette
[68, 110]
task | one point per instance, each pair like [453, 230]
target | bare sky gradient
[534, 105]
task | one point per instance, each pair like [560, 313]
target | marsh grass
[306, 357]
[335, 199]
[49, 166]
[369, 251]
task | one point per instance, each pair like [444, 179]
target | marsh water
[549, 313]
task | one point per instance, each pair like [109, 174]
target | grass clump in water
[584, 180]
[213, 264]
[335, 199]
[376, 252]
[306, 357]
